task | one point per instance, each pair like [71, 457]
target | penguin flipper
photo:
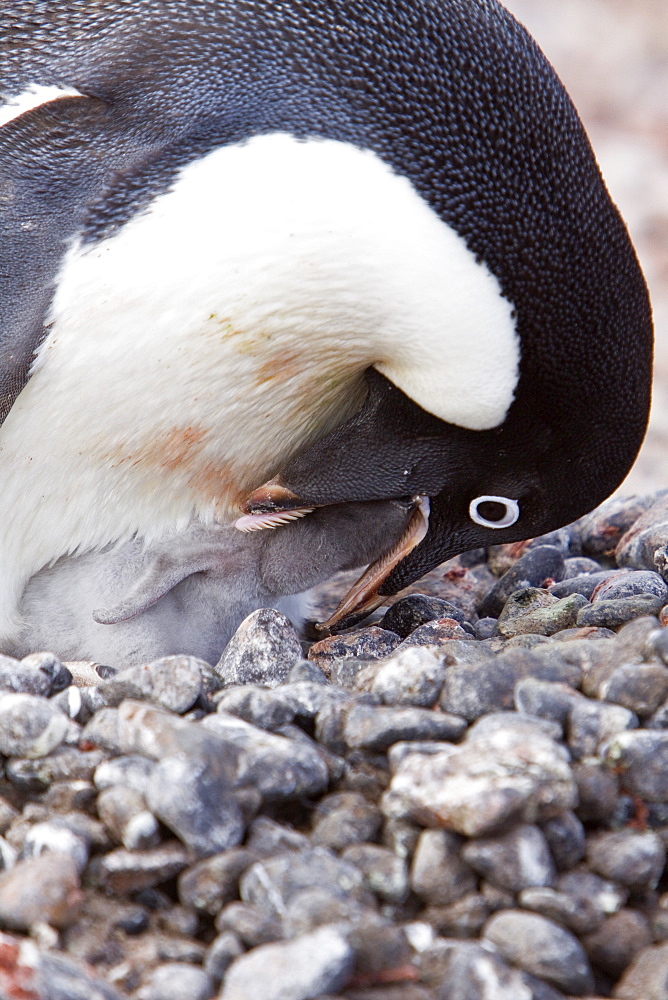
[54, 160]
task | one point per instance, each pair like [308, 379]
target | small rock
[514, 861]
[542, 948]
[263, 650]
[468, 971]
[40, 889]
[208, 885]
[125, 814]
[544, 699]
[174, 682]
[344, 818]
[612, 613]
[252, 925]
[411, 676]
[220, 954]
[408, 613]
[577, 914]
[630, 585]
[437, 634]
[439, 876]
[615, 944]
[591, 723]
[125, 871]
[646, 976]
[474, 788]
[541, 620]
[641, 759]
[370, 728]
[585, 584]
[640, 687]
[371, 643]
[602, 530]
[306, 967]
[30, 726]
[565, 836]
[598, 791]
[57, 837]
[23, 677]
[384, 873]
[177, 981]
[132, 772]
[258, 706]
[532, 569]
[464, 918]
[635, 859]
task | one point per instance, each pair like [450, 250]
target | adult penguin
[366, 244]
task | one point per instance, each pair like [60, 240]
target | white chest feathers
[226, 326]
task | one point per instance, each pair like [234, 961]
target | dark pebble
[634, 859]
[410, 612]
[439, 875]
[614, 945]
[565, 836]
[513, 861]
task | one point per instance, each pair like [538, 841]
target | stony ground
[467, 798]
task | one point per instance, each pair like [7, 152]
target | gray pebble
[133, 772]
[124, 812]
[306, 967]
[318, 906]
[56, 836]
[177, 981]
[124, 871]
[640, 687]
[485, 628]
[513, 861]
[408, 613]
[257, 705]
[210, 884]
[371, 643]
[267, 837]
[30, 726]
[464, 918]
[542, 948]
[641, 759]
[344, 818]
[598, 791]
[410, 676]
[195, 800]
[601, 530]
[263, 650]
[533, 569]
[174, 682]
[634, 859]
[27, 676]
[584, 584]
[614, 945]
[617, 611]
[542, 619]
[220, 954]
[544, 698]
[631, 584]
[385, 874]
[593, 891]
[469, 971]
[565, 836]
[474, 788]
[370, 728]
[592, 723]
[577, 914]
[251, 924]
[437, 634]
[439, 875]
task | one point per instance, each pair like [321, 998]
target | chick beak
[271, 496]
[363, 596]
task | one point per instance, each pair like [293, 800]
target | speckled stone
[306, 967]
[268, 709]
[30, 726]
[263, 650]
[504, 777]
[565, 837]
[411, 676]
[542, 948]
[640, 687]
[125, 871]
[385, 874]
[377, 728]
[174, 682]
[371, 643]
[632, 858]
[641, 759]
[515, 860]
[439, 876]
[541, 620]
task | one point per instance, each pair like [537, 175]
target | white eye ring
[511, 515]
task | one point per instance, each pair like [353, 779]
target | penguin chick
[188, 592]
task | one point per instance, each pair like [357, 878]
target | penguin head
[538, 470]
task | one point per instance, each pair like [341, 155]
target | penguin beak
[268, 507]
[363, 596]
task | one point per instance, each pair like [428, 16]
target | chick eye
[494, 512]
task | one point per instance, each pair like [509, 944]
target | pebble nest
[466, 798]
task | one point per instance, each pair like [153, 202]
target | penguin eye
[494, 512]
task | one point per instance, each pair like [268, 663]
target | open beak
[363, 596]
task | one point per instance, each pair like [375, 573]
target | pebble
[439, 875]
[634, 859]
[469, 971]
[271, 884]
[640, 687]
[541, 948]
[476, 787]
[220, 954]
[370, 728]
[125, 814]
[263, 650]
[252, 925]
[371, 643]
[343, 819]
[124, 871]
[514, 861]
[29, 676]
[539, 613]
[267, 709]
[646, 977]
[408, 613]
[30, 726]
[177, 981]
[40, 889]
[614, 945]
[174, 682]
[410, 676]
[307, 967]
[212, 883]
[640, 758]
[385, 874]
[617, 611]
[591, 723]
[533, 569]
[565, 836]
